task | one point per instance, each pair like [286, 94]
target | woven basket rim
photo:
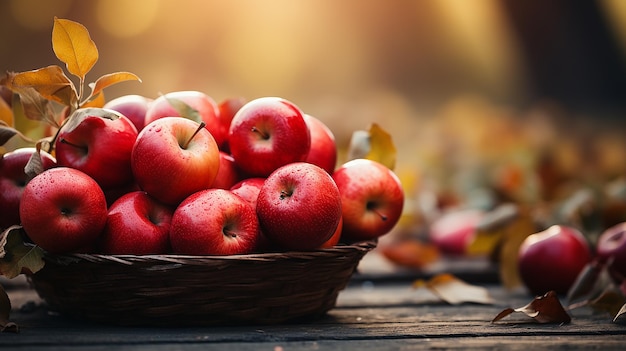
[126, 259]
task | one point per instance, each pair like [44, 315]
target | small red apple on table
[13, 179]
[372, 198]
[214, 222]
[611, 249]
[63, 210]
[299, 206]
[137, 224]
[552, 259]
[267, 133]
[191, 104]
[454, 231]
[133, 107]
[174, 157]
[99, 143]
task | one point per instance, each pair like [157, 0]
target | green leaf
[184, 110]
[17, 257]
[72, 45]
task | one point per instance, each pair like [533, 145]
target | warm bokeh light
[37, 15]
[126, 18]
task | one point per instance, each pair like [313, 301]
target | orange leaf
[6, 113]
[73, 46]
[410, 253]
[110, 79]
[49, 81]
[544, 309]
[375, 144]
[95, 101]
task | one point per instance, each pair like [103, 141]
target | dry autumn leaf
[6, 114]
[620, 318]
[455, 291]
[374, 144]
[111, 79]
[5, 311]
[410, 253]
[51, 82]
[543, 309]
[72, 45]
[17, 257]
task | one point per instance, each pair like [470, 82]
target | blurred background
[518, 96]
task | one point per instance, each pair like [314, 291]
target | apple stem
[382, 216]
[64, 141]
[284, 194]
[260, 132]
[202, 125]
[230, 234]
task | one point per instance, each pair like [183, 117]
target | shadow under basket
[175, 290]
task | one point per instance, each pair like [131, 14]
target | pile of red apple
[239, 177]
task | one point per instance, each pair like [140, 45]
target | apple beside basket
[177, 290]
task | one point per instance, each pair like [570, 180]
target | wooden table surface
[372, 313]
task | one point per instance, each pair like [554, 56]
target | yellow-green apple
[323, 150]
[174, 157]
[334, 239]
[228, 173]
[453, 231]
[248, 189]
[299, 206]
[13, 179]
[267, 133]
[214, 222]
[228, 108]
[611, 249]
[191, 104]
[552, 259]
[98, 142]
[63, 210]
[137, 224]
[372, 198]
[133, 106]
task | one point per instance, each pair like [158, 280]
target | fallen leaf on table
[621, 316]
[410, 253]
[5, 310]
[15, 256]
[611, 301]
[544, 309]
[454, 291]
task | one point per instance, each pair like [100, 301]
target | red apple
[267, 133]
[134, 107]
[173, 158]
[323, 150]
[334, 239]
[228, 108]
[299, 206]
[214, 222]
[228, 173]
[611, 248]
[453, 231]
[13, 179]
[372, 198]
[98, 142]
[190, 104]
[63, 210]
[552, 259]
[248, 189]
[137, 224]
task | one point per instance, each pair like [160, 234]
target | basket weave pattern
[172, 290]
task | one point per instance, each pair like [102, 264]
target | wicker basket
[174, 290]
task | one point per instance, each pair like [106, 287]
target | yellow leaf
[6, 113]
[514, 235]
[49, 81]
[375, 144]
[110, 79]
[95, 101]
[382, 147]
[73, 46]
[454, 290]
